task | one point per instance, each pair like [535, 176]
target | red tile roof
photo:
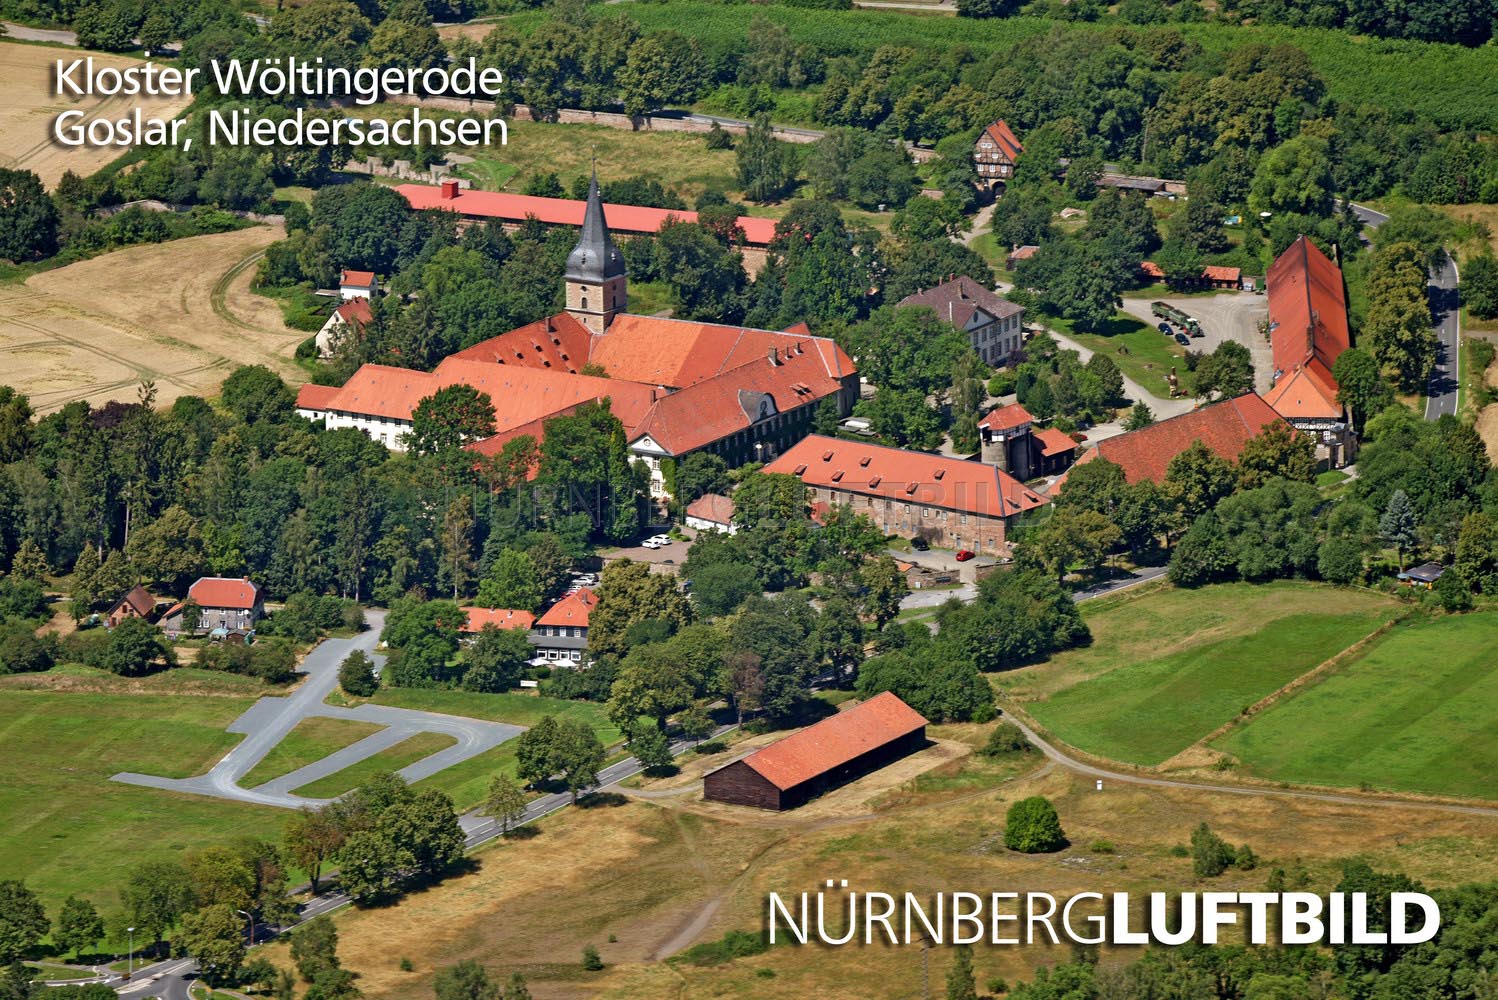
[1004, 137]
[498, 617]
[571, 610]
[1223, 427]
[1006, 418]
[676, 352]
[712, 507]
[906, 476]
[835, 741]
[361, 278]
[566, 211]
[716, 407]
[1150, 269]
[224, 592]
[1307, 321]
[957, 300]
[1023, 253]
[559, 343]
[1216, 272]
[1054, 442]
[316, 397]
[355, 312]
[1305, 392]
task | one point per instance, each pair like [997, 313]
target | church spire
[595, 258]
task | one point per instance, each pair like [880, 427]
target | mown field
[1416, 713]
[1167, 667]
[68, 829]
[311, 741]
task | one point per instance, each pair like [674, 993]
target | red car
[963, 555]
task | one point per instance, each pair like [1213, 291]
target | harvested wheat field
[643, 879]
[30, 106]
[179, 313]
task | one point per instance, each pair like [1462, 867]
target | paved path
[21, 32]
[267, 722]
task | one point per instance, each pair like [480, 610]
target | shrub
[1032, 827]
[1006, 740]
[591, 960]
[357, 677]
[734, 944]
[1102, 847]
[1211, 855]
[709, 747]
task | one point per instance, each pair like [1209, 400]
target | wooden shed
[832, 752]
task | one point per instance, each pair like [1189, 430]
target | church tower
[596, 282]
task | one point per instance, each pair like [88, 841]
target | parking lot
[662, 560]
[1225, 316]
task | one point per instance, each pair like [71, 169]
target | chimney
[449, 190]
[773, 354]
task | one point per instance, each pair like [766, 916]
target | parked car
[919, 544]
[1183, 340]
[650, 543]
[661, 539]
[963, 555]
[1164, 328]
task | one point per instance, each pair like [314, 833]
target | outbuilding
[820, 757]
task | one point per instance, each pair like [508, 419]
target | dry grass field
[641, 877]
[180, 313]
[27, 113]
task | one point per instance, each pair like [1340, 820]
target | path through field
[181, 314]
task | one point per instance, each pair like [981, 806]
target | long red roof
[477, 618]
[236, 593]
[835, 741]
[1308, 329]
[906, 476]
[1004, 137]
[1224, 427]
[565, 211]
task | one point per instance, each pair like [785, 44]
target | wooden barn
[836, 750]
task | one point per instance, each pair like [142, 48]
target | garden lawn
[69, 829]
[1417, 713]
[311, 741]
[1141, 352]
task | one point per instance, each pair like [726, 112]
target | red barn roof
[571, 610]
[362, 279]
[498, 617]
[1307, 328]
[238, 593]
[906, 476]
[565, 211]
[1224, 427]
[1006, 418]
[835, 741]
[1054, 442]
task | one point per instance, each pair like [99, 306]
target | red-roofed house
[358, 285]
[711, 512]
[947, 501]
[137, 603]
[1224, 427]
[347, 320]
[995, 154]
[994, 326]
[477, 618]
[560, 635]
[1308, 331]
[820, 757]
[233, 604]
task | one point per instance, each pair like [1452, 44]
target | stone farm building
[1224, 427]
[820, 757]
[677, 386]
[1011, 442]
[625, 220]
[230, 604]
[946, 501]
[1308, 331]
[994, 325]
[996, 153]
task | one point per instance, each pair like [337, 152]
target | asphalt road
[1441, 289]
[267, 722]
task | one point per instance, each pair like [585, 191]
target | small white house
[358, 285]
[350, 316]
[711, 512]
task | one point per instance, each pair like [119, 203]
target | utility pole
[132, 952]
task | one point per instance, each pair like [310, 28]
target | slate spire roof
[595, 258]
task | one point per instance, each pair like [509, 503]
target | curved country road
[1092, 771]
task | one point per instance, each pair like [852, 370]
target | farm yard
[179, 313]
[1414, 714]
[26, 116]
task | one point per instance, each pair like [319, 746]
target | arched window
[585, 302]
